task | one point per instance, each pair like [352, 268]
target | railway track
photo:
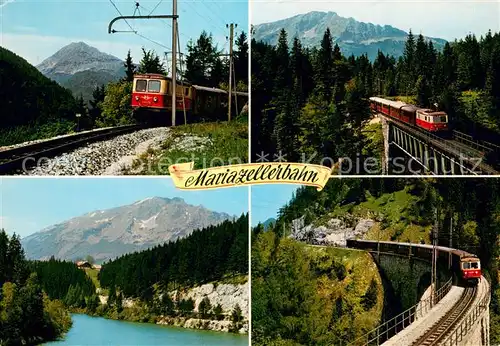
[445, 325]
[24, 157]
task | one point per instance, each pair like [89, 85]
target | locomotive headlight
[137, 98]
[155, 99]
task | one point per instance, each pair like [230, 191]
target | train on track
[152, 99]
[466, 267]
[424, 118]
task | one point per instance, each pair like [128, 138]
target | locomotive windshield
[154, 86]
[140, 85]
[470, 265]
[441, 119]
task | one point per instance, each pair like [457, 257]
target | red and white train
[465, 266]
[153, 93]
[427, 119]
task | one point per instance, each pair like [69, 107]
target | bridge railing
[476, 144]
[467, 323]
[457, 149]
[396, 324]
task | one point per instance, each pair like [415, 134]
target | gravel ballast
[102, 158]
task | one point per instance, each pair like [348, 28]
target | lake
[87, 330]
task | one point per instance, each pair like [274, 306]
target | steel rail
[24, 157]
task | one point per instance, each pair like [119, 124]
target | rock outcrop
[335, 232]
[227, 295]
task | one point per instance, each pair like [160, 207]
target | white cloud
[36, 48]
[447, 19]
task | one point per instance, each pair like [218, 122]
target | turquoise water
[88, 330]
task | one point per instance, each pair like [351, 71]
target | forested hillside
[472, 204]
[31, 100]
[314, 100]
[303, 295]
[27, 314]
[205, 255]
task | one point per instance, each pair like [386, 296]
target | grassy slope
[229, 142]
[92, 273]
[360, 271]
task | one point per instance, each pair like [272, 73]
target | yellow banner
[186, 178]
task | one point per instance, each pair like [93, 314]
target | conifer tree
[129, 68]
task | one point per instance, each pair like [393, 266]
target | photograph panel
[87, 92]
[376, 261]
[109, 261]
[371, 88]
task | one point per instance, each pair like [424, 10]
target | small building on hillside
[97, 267]
[83, 264]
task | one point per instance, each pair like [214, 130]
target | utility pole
[231, 34]
[174, 59]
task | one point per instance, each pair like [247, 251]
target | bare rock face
[335, 232]
[227, 295]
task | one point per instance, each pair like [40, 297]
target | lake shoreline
[108, 331]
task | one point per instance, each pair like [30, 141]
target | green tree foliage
[474, 205]
[204, 64]
[463, 79]
[167, 304]
[116, 107]
[62, 278]
[369, 299]
[26, 315]
[28, 97]
[150, 63]
[204, 307]
[129, 67]
[241, 59]
[218, 312]
[205, 255]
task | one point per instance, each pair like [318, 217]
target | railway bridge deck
[457, 155]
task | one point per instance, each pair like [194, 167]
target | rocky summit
[107, 234]
[78, 57]
[353, 37]
[81, 68]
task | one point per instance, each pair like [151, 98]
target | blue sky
[268, 199]
[447, 19]
[36, 29]
[28, 205]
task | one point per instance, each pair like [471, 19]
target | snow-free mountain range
[81, 68]
[106, 234]
[353, 37]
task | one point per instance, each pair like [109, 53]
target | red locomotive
[470, 266]
[427, 119]
[465, 266]
[153, 93]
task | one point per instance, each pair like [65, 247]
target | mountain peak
[109, 233]
[78, 57]
[352, 36]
